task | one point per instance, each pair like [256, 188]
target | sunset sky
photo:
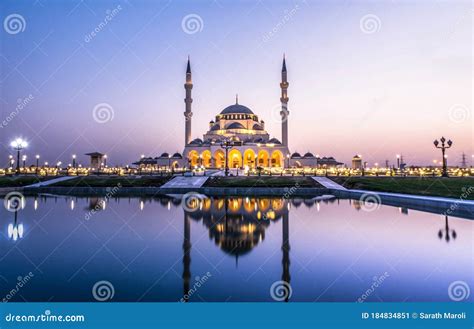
[376, 78]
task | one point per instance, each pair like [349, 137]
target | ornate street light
[226, 145]
[444, 145]
[74, 161]
[18, 144]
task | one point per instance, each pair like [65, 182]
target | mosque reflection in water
[237, 225]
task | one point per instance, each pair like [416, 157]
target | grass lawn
[263, 181]
[17, 181]
[111, 181]
[453, 187]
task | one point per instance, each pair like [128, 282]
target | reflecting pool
[63, 248]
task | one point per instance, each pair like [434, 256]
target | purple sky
[378, 78]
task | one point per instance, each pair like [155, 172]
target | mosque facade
[239, 132]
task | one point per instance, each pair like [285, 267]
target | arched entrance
[262, 160]
[277, 159]
[249, 158]
[235, 159]
[193, 158]
[206, 158]
[219, 158]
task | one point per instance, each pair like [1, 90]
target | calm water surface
[236, 248]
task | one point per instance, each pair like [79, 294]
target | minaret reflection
[447, 232]
[186, 257]
[285, 248]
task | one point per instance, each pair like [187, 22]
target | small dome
[177, 155]
[296, 155]
[258, 140]
[257, 127]
[309, 155]
[274, 141]
[237, 108]
[235, 125]
[196, 141]
[215, 127]
[212, 121]
[164, 155]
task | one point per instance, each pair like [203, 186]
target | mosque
[239, 130]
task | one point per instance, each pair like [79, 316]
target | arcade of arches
[236, 159]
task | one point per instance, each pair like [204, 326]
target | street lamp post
[288, 160]
[398, 161]
[74, 161]
[23, 158]
[226, 145]
[444, 145]
[18, 145]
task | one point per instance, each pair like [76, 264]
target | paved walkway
[52, 181]
[327, 183]
[186, 182]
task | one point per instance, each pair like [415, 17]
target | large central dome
[237, 108]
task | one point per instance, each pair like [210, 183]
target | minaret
[188, 86]
[284, 104]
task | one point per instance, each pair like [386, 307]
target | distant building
[96, 159]
[357, 162]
